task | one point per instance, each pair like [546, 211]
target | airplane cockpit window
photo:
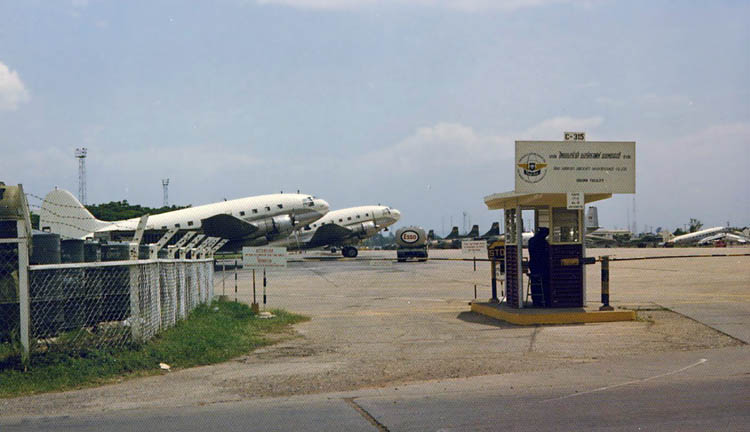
[386, 211]
[307, 228]
[308, 202]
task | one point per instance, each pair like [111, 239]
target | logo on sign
[409, 237]
[532, 167]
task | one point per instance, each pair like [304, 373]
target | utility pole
[81, 156]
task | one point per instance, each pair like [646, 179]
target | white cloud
[454, 145]
[462, 5]
[12, 90]
[444, 145]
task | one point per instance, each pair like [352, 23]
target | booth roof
[511, 199]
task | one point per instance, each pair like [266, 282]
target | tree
[678, 232]
[695, 225]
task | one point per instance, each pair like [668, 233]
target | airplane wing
[227, 226]
[721, 236]
[329, 235]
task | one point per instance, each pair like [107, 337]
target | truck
[412, 244]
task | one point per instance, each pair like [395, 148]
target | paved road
[699, 390]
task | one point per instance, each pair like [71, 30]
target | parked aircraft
[701, 237]
[245, 221]
[342, 229]
[598, 237]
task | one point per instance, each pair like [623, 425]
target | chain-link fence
[9, 306]
[98, 305]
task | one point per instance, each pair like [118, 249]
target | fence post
[136, 315]
[23, 287]
[605, 285]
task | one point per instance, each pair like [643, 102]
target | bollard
[223, 278]
[264, 288]
[235, 280]
[605, 285]
[254, 305]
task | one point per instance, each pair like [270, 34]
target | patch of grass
[211, 334]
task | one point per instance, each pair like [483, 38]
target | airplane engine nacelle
[365, 228]
[276, 225]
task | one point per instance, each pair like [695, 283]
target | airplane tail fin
[474, 231]
[666, 235]
[592, 219]
[63, 214]
[453, 234]
[494, 230]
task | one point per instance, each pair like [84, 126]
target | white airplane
[247, 221]
[342, 228]
[696, 237]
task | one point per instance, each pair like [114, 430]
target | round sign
[409, 236]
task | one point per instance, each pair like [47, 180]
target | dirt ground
[378, 324]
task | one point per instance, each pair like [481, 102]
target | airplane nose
[321, 206]
[396, 214]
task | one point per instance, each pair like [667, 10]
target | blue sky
[414, 104]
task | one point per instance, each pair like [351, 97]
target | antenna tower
[165, 186]
[81, 156]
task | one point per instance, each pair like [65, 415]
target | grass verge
[211, 334]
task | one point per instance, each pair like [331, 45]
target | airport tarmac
[376, 323]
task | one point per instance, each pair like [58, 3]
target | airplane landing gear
[349, 252]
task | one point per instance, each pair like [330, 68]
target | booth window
[510, 226]
[565, 226]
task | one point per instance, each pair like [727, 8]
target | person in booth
[539, 268]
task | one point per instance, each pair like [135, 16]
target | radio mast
[81, 156]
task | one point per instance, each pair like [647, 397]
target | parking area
[377, 322]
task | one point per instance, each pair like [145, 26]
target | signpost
[261, 258]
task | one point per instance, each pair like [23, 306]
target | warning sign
[474, 248]
[263, 257]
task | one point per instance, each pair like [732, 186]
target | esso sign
[409, 237]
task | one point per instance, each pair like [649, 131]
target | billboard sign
[575, 166]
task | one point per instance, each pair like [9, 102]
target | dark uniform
[539, 268]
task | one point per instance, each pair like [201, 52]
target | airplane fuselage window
[279, 206]
[164, 227]
[341, 220]
[190, 223]
[255, 211]
[349, 218]
[176, 225]
[357, 216]
[242, 213]
[367, 214]
[268, 208]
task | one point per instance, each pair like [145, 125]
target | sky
[413, 104]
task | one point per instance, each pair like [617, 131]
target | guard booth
[566, 245]
[556, 179]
